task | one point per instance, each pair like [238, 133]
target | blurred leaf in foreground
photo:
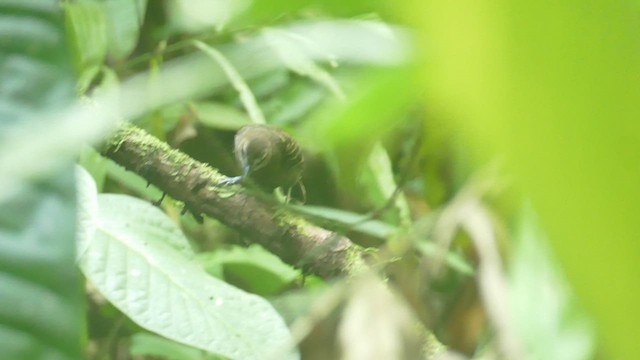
[544, 310]
[41, 309]
[551, 86]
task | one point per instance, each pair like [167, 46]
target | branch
[292, 238]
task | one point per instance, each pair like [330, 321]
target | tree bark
[290, 237]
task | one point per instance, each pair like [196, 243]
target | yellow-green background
[552, 87]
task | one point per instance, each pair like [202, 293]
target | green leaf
[246, 96]
[132, 260]
[35, 70]
[360, 41]
[220, 116]
[386, 94]
[86, 24]
[453, 260]
[294, 49]
[95, 164]
[40, 294]
[153, 345]
[379, 185]
[86, 78]
[294, 102]
[257, 269]
[87, 194]
[268, 84]
[351, 221]
[124, 19]
[349, 130]
[41, 302]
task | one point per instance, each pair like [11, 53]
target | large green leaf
[40, 298]
[41, 309]
[33, 60]
[140, 261]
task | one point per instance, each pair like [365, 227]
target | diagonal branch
[293, 239]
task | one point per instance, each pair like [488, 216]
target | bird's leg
[232, 180]
[159, 201]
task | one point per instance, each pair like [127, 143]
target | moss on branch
[292, 238]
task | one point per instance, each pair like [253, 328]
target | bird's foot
[159, 201]
[231, 180]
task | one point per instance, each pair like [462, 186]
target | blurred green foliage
[41, 303]
[417, 95]
[550, 87]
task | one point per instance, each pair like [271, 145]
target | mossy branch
[292, 238]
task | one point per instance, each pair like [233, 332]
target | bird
[269, 157]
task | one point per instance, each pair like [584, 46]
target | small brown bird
[268, 157]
